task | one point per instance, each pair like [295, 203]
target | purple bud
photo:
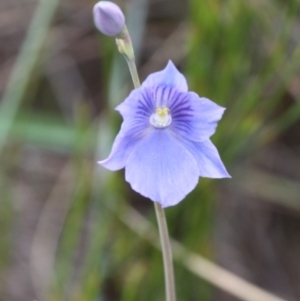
[108, 18]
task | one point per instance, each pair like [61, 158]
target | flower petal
[208, 159]
[135, 110]
[194, 117]
[160, 168]
[169, 76]
[121, 149]
[131, 133]
[140, 103]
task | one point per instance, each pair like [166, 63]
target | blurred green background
[71, 230]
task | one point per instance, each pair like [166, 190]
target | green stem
[166, 252]
[133, 72]
[125, 47]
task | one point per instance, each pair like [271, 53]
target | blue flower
[164, 140]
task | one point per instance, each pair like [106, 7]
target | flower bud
[108, 18]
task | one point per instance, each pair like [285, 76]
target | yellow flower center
[161, 117]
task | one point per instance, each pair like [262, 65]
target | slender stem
[125, 47]
[133, 72]
[166, 252]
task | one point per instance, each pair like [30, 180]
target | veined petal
[160, 168]
[140, 103]
[169, 76]
[208, 159]
[135, 110]
[136, 126]
[163, 95]
[194, 117]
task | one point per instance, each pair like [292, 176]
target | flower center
[161, 118]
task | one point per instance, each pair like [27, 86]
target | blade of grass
[24, 66]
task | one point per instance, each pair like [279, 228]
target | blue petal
[164, 95]
[140, 103]
[130, 135]
[194, 117]
[160, 168]
[119, 153]
[169, 76]
[208, 159]
[136, 110]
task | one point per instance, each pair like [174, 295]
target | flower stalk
[166, 252]
[125, 47]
